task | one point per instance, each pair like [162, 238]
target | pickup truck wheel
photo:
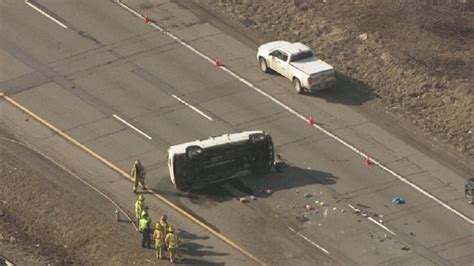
[297, 85]
[263, 64]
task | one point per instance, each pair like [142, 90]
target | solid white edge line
[309, 240]
[290, 110]
[46, 15]
[131, 126]
[381, 225]
[192, 107]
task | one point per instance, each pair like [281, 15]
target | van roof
[212, 141]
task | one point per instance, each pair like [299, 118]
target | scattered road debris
[398, 200]
[307, 195]
[244, 200]
[308, 207]
[268, 191]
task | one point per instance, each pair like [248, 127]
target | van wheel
[297, 85]
[263, 65]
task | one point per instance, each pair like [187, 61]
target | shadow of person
[185, 235]
[197, 250]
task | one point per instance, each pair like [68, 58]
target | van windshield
[301, 56]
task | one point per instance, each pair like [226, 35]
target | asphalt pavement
[125, 89]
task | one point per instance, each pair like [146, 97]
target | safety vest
[172, 240]
[158, 237]
[143, 212]
[139, 208]
[144, 224]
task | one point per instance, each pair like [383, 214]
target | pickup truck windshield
[301, 56]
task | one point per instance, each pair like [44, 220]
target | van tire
[297, 85]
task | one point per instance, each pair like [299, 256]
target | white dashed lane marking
[132, 126]
[46, 14]
[192, 107]
[309, 240]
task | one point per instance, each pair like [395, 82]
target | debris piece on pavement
[308, 207]
[244, 200]
[381, 221]
[307, 195]
[343, 211]
[398, 200]
[335, 208]
[268, 191]
[252, 197]
[316, 211]
[297, 191]
[278, 164]
[316, 201]
[405, 248]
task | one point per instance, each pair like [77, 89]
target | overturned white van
[199, 163]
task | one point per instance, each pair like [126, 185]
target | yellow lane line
[125, 174]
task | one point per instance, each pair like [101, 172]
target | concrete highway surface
[126, 90]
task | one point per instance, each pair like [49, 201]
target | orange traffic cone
[311, 120]
[217, 63]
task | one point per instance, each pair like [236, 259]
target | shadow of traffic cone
[217, 63]
[146, 19]
[311, 120]
[368, 162]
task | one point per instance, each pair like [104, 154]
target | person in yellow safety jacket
[145, 230]
[159, 238]
[138, 173]
[145, 210]
[139, 204]
[173, 242]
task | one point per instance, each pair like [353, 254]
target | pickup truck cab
[298, 63]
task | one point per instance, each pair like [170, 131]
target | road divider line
[126, 175]
[132, 126]
[305, 119]
[381, 225]
[192, 107]
[309, 240]
[46, 14]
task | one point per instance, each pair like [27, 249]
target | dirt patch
[416, 57]
[46, 221]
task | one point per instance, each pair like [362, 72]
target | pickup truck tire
[263, 65]
[297, 85]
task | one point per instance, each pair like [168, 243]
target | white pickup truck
[298, 63]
